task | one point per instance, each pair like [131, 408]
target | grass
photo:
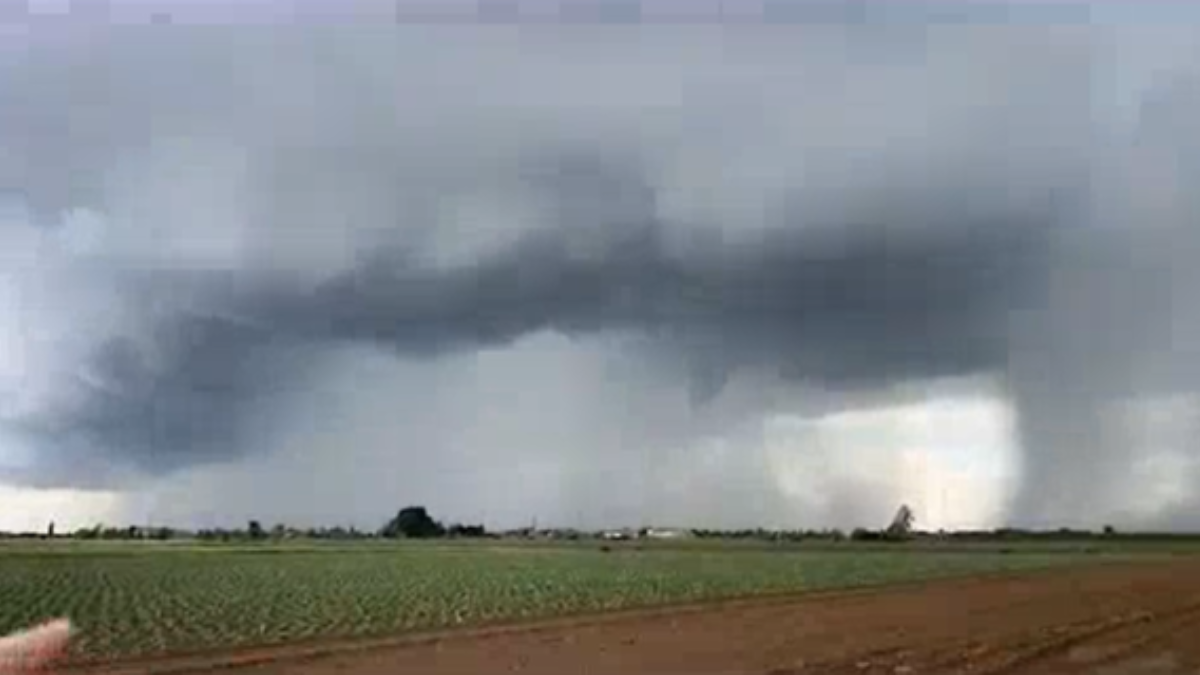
[143, 599]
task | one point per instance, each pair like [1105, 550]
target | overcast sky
[764, 275]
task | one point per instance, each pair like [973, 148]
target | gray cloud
[724, 204]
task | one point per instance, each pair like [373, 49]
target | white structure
[667, 533]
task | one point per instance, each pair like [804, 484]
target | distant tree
[863, 534]
[460, 530]
[1109, 530]
[50, 530]
[413, 522]
[254, 530]
[216, 534]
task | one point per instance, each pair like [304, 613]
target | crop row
[162, 600]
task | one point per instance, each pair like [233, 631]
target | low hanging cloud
[215, 225]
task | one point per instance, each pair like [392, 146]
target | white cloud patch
[32, 510]
[1165, 467]
[951, 459]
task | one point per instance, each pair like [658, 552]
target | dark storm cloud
[911, 290]
[925, 295]
[187, 393]
[848, 222]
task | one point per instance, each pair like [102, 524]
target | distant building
[667, 533]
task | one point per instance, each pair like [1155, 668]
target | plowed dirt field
[1114, 619]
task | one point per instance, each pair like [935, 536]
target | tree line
[411, 522]
[415, 522]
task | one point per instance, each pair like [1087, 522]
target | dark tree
[413, 522]
[466, 531]
[863, 534]
[255, 530]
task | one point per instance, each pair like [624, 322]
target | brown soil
[1110, 620]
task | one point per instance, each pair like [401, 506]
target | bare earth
[1111, 620]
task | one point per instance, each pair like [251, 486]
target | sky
[777, 275]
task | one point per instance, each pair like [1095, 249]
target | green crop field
[141, 599]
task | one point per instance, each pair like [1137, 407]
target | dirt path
[1109, 620]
